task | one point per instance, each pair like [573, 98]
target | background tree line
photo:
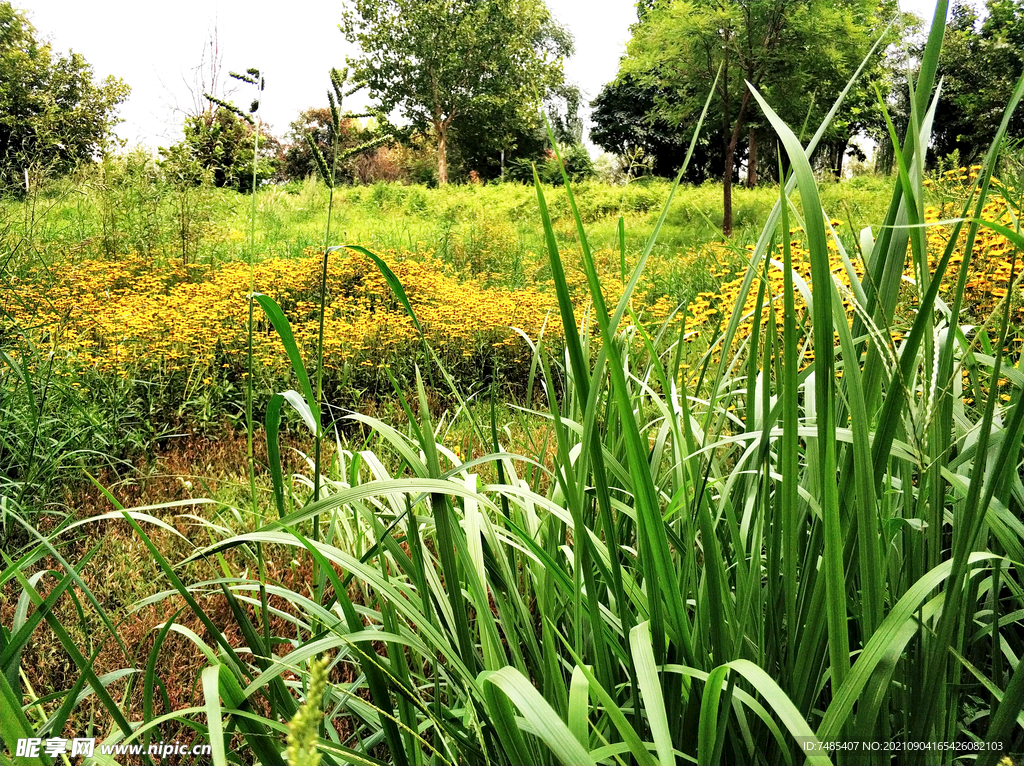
[681, 50]
[808, 48]
[459, 87]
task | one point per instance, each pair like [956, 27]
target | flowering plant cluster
[987, 284]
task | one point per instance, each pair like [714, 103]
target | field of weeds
[525, 489]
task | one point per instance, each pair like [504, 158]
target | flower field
[986, 282]
[186, 324]
[167, 342]
[130, 318]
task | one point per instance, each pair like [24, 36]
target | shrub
[222, 143]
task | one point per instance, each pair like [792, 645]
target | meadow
[147, 310]
[527, 475]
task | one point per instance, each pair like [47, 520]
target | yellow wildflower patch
[986, 282]
[136, 319]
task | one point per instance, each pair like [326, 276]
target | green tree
[830, 41]
[437, 61]
[220, 142]
[479, 147]
[980, 61]
[628, 122]
[53, 114]
[681, 49]
[315, 122]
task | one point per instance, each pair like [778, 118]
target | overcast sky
[156, 50]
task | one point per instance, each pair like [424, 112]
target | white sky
[155, 49]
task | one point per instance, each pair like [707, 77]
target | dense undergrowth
[785, 517]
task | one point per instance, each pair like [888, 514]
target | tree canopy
[980, 62]
[681, 49]
[220, 143]
[481, 63]
[53, 115]
[628, 122]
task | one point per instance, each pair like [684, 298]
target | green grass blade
[13, 723]
[273, 425]
[542, 720]
[708, 736]
[264, 744]
[881, 643]
[650, 688]
[1005, 717]
[214, 713]
[284, 331]
[824, 379]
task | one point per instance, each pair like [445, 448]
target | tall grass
[746, 571]
[136, 208]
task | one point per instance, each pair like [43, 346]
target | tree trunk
[840, 155]
[727, 190]
[730, 160]
[780, 152]
[884, 157]
[752, 159]
[442, 154]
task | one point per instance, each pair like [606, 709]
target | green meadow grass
[483, 229]
[745, 572]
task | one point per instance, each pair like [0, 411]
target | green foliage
[220, 142]
[124, 204]
[53, 427]
[329, 142]
[53, 115]
[576, 162]
[575, 159]
[441, 61]
[299, 159]
[627, 120]
[476, 146]
[681, 50]
[979, 64]
[101, 213]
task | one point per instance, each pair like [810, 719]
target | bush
[575, 158]
[53, 115]
[220, 142]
